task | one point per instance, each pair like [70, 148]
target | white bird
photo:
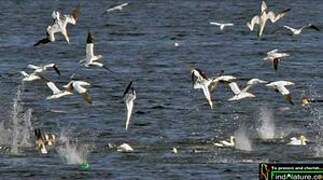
[40, 141]
[279, 86]
[230, 143]
[265, 15]
[124, 148]
[275, 57]
[298, 142]
[118, 7]
[30, 77]
[42, 68]
[57, 93]
[241, 94]
[299, 31]
[221, 25]
[201, 81]
[59, 25]
[129, 97]
[78, 86]
[91, 59]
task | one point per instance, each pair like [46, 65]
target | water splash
[267, 126]
[72, 152]
[242, 140]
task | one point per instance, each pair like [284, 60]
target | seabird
[78, 86]
[297, 142]
[59, 25]
[30, 77]
[91, 59]
[201, 81]
[124, 148]
[118, 7]
[221, 25]
[40, 141]
[42, 68]
[261, 19]
[299, 31]
[279, 86]
[57, 93]
[230, 143]
[50, 139]
[275, 57]
[129, 97]
[241, 94]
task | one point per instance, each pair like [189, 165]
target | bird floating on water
[222, 25]
[299, 31]
[129, 97]
[118, 7]
[275, 57]
[241, 94]
[59, 25]
[230, 143]
[301, 141]
[264, 16]
[124, 148]
[78, 86]
[279, 86]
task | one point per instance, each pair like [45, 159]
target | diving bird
[201, 81]
[299, 31]
[118, 7]
[57, 93]
[264, 16]
[280, 86]
[301, 141]
[129, 97]
[42, 68]
[91, 59]
[275, 57]
[50, 139]
[59, 25]
[241, 94]
[221, 25]
[78, 86]
[40, 141]
[230, 143]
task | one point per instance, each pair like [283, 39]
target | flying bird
[57, 93]
[264, 16]
[78, 86]
[280, 86]
[201, 81]
[301, 141]
[42, 68]
[91, 59]
[230, 143]
[30, 77]
[222, 25]
[275, 57]
[300, 30]
[129, 97]
[241, 94]
[118, 7]
[59, 25]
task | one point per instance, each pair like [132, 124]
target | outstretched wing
[254, 20]
[273, 18]
[234, 87]
[53, 87]
[215, 23]
[311, 26]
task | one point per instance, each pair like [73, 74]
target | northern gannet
[279, 86]
[78, 86]
[42, 68]
[230, 143]
[59, 25]
[221, 25]
[275, 57]
[241, 94]
[261, 19]
[129, 97]
[124, 148]
[40, 141]
[297, 142]
[299, 31]
[201, 81]
[30, 77]
[57, 93]
[118, 7]
[91, 59]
